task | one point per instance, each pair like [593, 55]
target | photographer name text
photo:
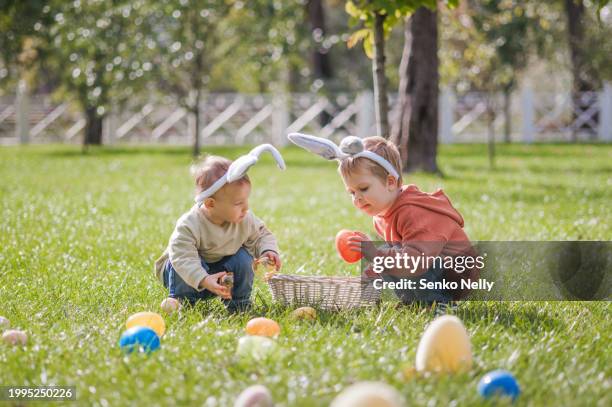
[424, 284]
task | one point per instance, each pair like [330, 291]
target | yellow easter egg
[368, 394]
[444, 347]
[304, 313]
[170, 305]
[15, 337]
[262, 327]
[150, 319]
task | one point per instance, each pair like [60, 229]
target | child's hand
[269, 262]
[361, 243]
[212, 283]
[274, 258]
[369, 273]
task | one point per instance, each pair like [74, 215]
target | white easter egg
[170, 305]
[444, 347]
[15, 337]
[257, 347]
[4, 323]
[255, 396]
[368, 394]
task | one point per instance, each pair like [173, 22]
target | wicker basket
[330, 293]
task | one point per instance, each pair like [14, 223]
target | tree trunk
[582, 76]
[491, 134]
[195, 98]
[507, 118]
[22, 125]
[321, 67]
[416, 129]
[196, 125]
[93, 127]
[380, 80]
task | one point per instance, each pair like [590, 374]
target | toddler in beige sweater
[218, 235]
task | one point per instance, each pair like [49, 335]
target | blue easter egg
[140, 338]
[499, 383]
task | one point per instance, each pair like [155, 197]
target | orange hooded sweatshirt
[427, 224]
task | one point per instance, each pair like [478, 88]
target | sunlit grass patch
[79, 234]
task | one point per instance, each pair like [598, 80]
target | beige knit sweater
[195, 237]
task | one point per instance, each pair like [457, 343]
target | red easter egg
[343, 248]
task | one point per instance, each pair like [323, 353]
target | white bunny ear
[241, 165]
[257, 151]
[211, 190]
[318, 145]
[350, 147]
[239, 168]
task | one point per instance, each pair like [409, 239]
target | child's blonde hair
[208, 170]
[383, 148]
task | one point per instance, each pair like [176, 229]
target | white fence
[243, 118]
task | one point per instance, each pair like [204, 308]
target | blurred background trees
[185, 42]
[91, 48]
[101, 55]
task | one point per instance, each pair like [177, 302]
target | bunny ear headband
[350, 146]
[239, 168]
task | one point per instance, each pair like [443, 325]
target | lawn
[79, 234]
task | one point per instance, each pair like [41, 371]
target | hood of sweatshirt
[436, 202]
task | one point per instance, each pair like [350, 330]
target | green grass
[78, 236]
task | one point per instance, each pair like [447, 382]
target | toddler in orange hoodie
[410, 221]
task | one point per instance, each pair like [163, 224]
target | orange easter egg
[343, 248]
[262, 327]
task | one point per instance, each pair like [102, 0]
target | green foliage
[199, 44]
[597, 45]
[20, 47]
[363, 12]
[268, 40]
[79, 235]
[491, 43]
[601, 4]
[186, 39]
[118, 49]
[91, 47]
[487, 44]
